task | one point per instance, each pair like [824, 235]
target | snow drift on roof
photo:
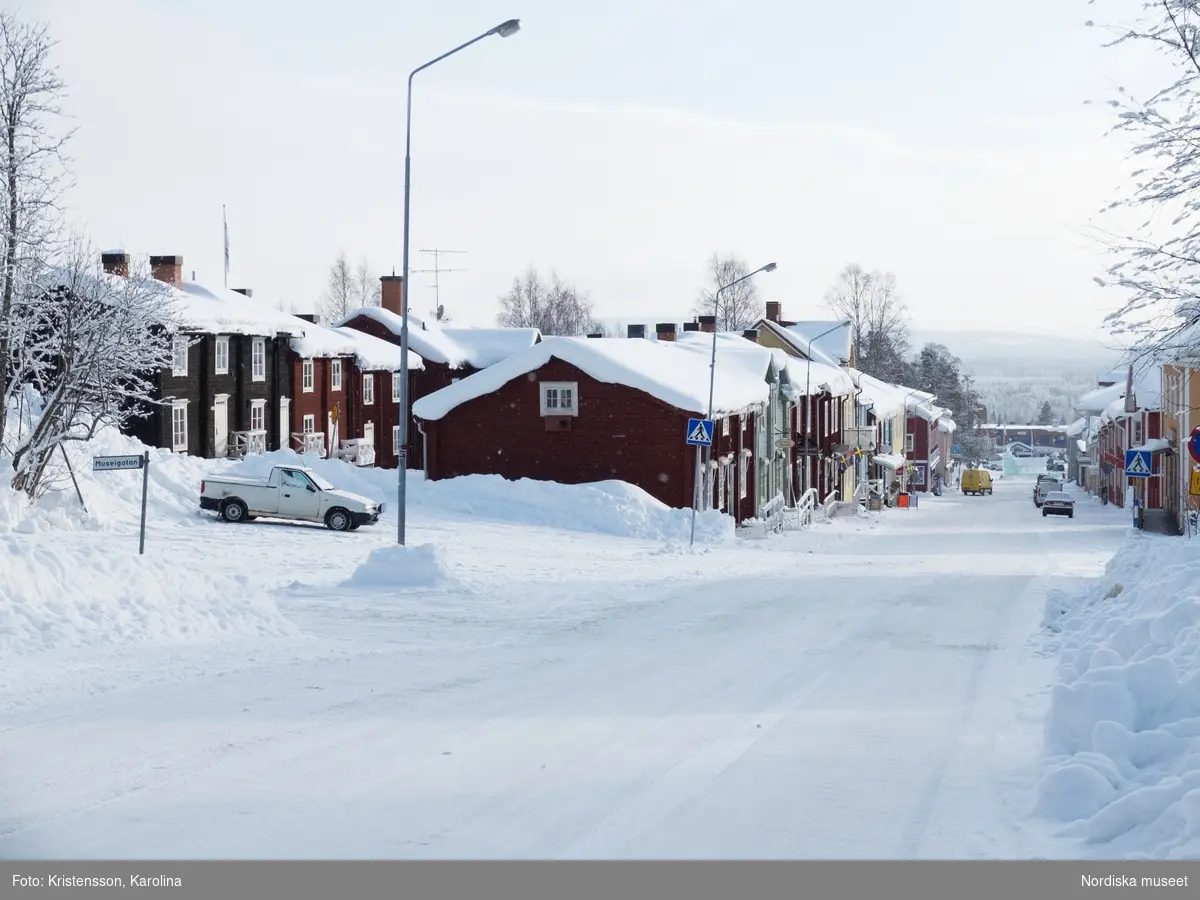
[370, 353]
[799, 343]
[886, 399]
[218, 311]
[455, 347]
[816, 377]
[835, 345]
[676, 375]
[1077, 427]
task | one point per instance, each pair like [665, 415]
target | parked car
[1055, 465]
[976, 481]
[1046, 485]
[289, 492]
[1058, 503]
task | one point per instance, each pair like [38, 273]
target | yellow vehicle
[977, 481]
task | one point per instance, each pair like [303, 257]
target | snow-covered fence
[806, 508]
[248, 443]
[829, 504]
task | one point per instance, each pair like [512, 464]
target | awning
[889, 461]
[1154, 445]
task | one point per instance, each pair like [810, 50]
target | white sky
[620, 143]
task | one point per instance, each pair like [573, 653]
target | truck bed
[236, 479]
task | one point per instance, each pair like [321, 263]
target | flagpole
[225, 226]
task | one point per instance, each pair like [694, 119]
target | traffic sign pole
[145, 485]
[125, 463]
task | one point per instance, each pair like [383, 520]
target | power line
[437, 271]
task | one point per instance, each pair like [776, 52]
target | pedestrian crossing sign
[1138, 464]
[700, 432]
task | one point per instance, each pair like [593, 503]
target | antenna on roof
[437, 270]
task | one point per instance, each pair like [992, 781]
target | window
[179, 429]
[368, 390]
[1137, 432]
[908, 443]
[306, 376]
[221, 356]
[310, 424]
[258, 359]
[258, 415]
[292, 479]
[335, 375]
[179, 362]
[743, 460]
[725, 427]
[395, 388]
[560, 398]
[396, 439]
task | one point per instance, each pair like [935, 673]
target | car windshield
[320, 482]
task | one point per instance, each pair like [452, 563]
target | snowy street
[874, 687]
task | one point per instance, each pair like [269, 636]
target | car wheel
[338, 519]
[1043, 513]
[1071, 514]
[234, 511]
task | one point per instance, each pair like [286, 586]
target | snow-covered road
[868, 689]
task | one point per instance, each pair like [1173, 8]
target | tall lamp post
[712, 380]
[504, 29]
[808, 400]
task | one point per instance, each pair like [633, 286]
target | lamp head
[507, 29]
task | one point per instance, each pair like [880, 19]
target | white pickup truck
[289, 492]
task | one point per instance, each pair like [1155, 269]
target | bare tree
[91, 345]
[739, 306]
[553, 307]
[341, 291]
[367, 289]
[32, 173]
[871, 302]
[1158, 264]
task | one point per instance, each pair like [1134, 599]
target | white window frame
[335, 374]
[258, 410]
[309, 424]
[395, 387]
[179, 356]
[258, 359]
[558, 388]
[910, 442]
[368, 391]
[221, 355]
[306, 376]
[396, 439]
[369, 433]
[179, 426]
[743, 472]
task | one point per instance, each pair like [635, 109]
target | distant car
[976, 481]
[1046, 485]
[288, 492]
[1058, 503]
[1055, 465]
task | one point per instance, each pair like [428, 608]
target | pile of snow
[399, 567]
[1123, 731]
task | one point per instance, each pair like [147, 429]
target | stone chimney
[115, 262]
[708, 324]
[665, 331]
[775, 311]
[691, 326]
[637, 331]
[596, 334]
[391, 293]
[168, 269]
[247, 292]
[751, 334]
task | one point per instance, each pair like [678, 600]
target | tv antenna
[437, 271]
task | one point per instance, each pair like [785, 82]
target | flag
[225, 223]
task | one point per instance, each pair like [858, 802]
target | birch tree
[871, 302]
[1157, 264]
[552, 306]
[341, 291]
[739, 307]
[91, 345]
[33, 175]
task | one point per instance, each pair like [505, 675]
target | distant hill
[1009, 354]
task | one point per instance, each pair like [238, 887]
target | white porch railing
[358, 452]
[829, 503]
[247, 443]
[773, 512]
[806, 509]
[309, 442]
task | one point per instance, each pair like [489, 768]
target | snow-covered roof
[835, 345]
[370, 353]
[886, 399]
[799, 343]
[946, 424]
[455, 347]
[889, 461]
[1078, 427]
[1154, 445]
[219, 311]
[814, 376]
[1147, 393]
[676, 375]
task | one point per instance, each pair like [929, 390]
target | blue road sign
[1138, 464]
[956, 449]
[700, 432]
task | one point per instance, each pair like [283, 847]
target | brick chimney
[708, 324]
[115, 262]
[691, 326]
[168, 269]
[637, 331]
[751, 334]
[244, 291]
[307, 317]
[665, 331]
[391, 293]
[775, 311]
[596, 334]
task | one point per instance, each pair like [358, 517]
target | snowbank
[1123, 731]
[396, 567]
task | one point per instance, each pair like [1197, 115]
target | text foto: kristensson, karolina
[1128, 881]
[91, 881]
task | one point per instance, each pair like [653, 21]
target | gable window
[395, 388]
[908, 443]
[258, 359]
[179, 429]
[179, 358]
[306, 376]
[368, 390]
[560, 398]
[310, 424]
[335, 375]
[258, 415]
[221, 356]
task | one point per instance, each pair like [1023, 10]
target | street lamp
[712, 380]
[504, 29]
[808, 400]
